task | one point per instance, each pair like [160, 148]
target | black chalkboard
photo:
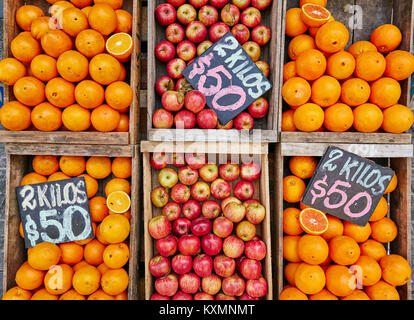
[347, 186]
[228, 78]
[55, 211]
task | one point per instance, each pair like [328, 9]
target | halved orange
[314, 15]
[313, 221]
[118, 202]
[120, 46]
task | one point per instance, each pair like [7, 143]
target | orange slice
[120, 46]
[313, 221]
[314, 15]
[118, 202]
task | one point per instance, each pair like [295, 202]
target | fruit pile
[327, 258]
[192, 28]
[67, 69]
[93, 269]
[206, 242]
[329, 89]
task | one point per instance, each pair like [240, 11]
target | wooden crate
[88, 137]
[398, 157]
[19, 157]
[371, 14]
[220, 153]
[271, 54]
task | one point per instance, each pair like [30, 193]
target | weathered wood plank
[346, 137]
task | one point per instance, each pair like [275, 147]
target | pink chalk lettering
[354, 199]
[232, 90]
[334, 189]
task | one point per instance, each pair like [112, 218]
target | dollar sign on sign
[317, 186]
[31, 231]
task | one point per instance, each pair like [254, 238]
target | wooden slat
[346, 137]
[148, 251]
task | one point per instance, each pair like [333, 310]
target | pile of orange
[93, 269]
[329, 88]
[67, 69]
[346, 261]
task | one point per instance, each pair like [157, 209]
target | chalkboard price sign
[55, 212]
[228, 78]
[347, 186]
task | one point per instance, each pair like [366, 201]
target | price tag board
[347, 186]
[56, 211]
[228, 78]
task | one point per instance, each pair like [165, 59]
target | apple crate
[216, 152]
[397, 157]
[19, 162]
[361, 17]
[267, 126]
[31, 135]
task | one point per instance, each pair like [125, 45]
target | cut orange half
[313, 221]
[314, 15]
[120, 46]
[118, 202]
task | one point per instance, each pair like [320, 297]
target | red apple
[178, 159]
[189, 283]
[159, 197]
[259, 108]
[222, 227]
[211, 244]
[229, 200]
[251, 17]
[186, 50]
[241, 4]
[165, 14]
[256, 238]
[229, 171]
[203, 47]
[172, 211]
[245, 230]
[157, 296]
[211, 209]
[181, 226]
[218, 30]
[186, 13]
[184, 119]
[239, 261]
[165, 51]
[211, 284]
[222, 296]
[176, 3]
[233, 247]
[162, 119]
[180, 193]
[167, 177]
[159, 227]
[159, 266]
[175, 68]
[191, 209]
[175, 33]
[220, 189]
[233, 285]
[182, 296]
[256, 288]
[224, 266]
[195, 160]
[201, 226]
[187, 175]
[167, 286]
[261, 4]
[203, 265]
[264, 68]
[198, 3]
[208, 15]
[250, 171]
[167, 246]
[245, 296]
[252, 49]
[230, 14]
[235, 212]
[203, 296]
[182, 264]
[250, 269]
[159, 160]
[250, 201]
[255, 213]
[194, 101]
[218, 3]
[227, 126]
[196, 32]
[200, 191]
[244, 121]
[261, 34]
[189, 244]
[244, 190]
[182, 84]
[207, 119]
[163, 84]
[241, 33]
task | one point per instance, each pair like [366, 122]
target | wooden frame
[271, 54]
[398, 157]
[88, 137]
[371, 13]
[150, 181]
[18, 162]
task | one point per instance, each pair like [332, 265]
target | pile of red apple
[192, 28]
[206, 241]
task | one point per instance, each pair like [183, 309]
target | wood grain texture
[346, 137]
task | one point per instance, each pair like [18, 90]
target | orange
[338, 118]
[32, 178]
[368, 270]
[293, 189]
[392, 185]
[384, 230]
[46, 117]
[324, 294]
[100, 295]
[340, 281]
[102, 267]
[380, 211]
[116, 255]
[86, 10]
[93, 252]
[311, 64]
[26, 14]
[309, 279]
[373, 249]
[344, 250]
[118, 95]
[360, 47]
[395, 270]
[123, 74]
[313, 249]
[11, 70]
[332, 37]
[86, 280]
[104, 69]
[313, 221]
[367, 118]
[105, 119]
[314, 15]
[308, 117]
[120, 46]
[98, 167]
[397, 119]
[289, 71]
[45, 165]
[89, 94]
[370, 66]
[72, 165]
[289, 272]
[58, 176]
[21, 232]
[98, 208]
[44, 67]
[42, 294]
[29, 278]
[81, 3]
[15, 116]
[356, 295]
[355, 92]
[291, 224]
[58, 279]
[115, 4]
[103, 18]
[76, 118]
[40, 26]
[72, 253]
[24, 47]
[290, 248]
[382, 291]
[326, 91]
[71, 295]
[300, 44]
[356, 232]
[90, 43]
[60, 92]
[314, 30]
[318, 2]
[72, 66]
[55, 42]
[115, 228]
[292, 293]
[29, 91]
[91, 185]
[122, 167]
[124, 21]
[74, 21]
[118, 202]
[296, 91]
[400, 65]
[117, 184]
[294, 25]
[79, 265]
[385, 92]
[341, 65]
[335, 228]
[114, 281]
[287, 120]
[58, 7]
[386, 38]
[122, 296]
[16, 293]
[98, 236]
[43, 255]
